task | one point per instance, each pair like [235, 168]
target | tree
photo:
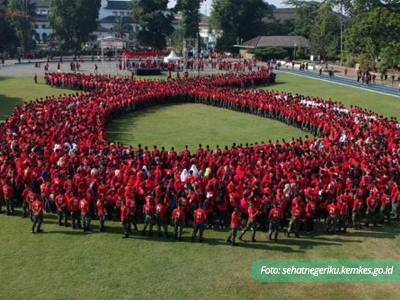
[7, 35]
[74, 20]
[390, 55]
[177, 38]
[190, 17]
[121, 27]
[355, 8]
[267, 54]
[372, 32]
[19, 14]
[274, 27]
[324, 37]
[155, 22]
[304, 17]
[237, 19]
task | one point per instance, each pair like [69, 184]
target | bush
[364, 61]
[266, 54]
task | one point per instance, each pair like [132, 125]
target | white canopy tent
[172, 57]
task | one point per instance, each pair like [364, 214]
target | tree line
[355, 31]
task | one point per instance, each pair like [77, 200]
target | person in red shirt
[252, 223]
[311, 209]
[372, 204]
[8, 192]
[2, 201]
[296, 219]
[62, 208]
[386, 207]
[199, 218]
[37, 215]
[161, 218]
[85, 215]
[125, 217]
[101, 213]
[333, 217]
[343, 214]
[131, 203]
[275, 217]
[28, 197]
[357, 213]
[178, 217]
[73, 207]
[149, 211]
[396, 204]
[235, 225]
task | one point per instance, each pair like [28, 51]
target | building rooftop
[118, 5]
[101, 29]
[112, 19]
[40, 18]
[276, 41]
[40, 3]
[283, 14]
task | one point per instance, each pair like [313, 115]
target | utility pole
[341, 42]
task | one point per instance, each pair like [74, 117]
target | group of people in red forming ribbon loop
[55, 157]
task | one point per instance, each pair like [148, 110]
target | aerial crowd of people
[55, 156]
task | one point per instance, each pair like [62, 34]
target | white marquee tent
[172, 57]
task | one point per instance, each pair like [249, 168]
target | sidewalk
[351, 73]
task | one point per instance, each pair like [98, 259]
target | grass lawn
[190, 124]
[63, 263]
[16, 91]
[388, 106]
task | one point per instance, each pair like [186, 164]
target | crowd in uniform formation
[54, 156]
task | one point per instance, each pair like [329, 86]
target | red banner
[134, 54]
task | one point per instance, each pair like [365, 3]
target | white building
[40, 20]
[115, 8]
[110, 12]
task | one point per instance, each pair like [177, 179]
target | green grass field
[63, 263]
[16, 91]
[382, 104]
[190, 124]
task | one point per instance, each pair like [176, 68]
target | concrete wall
[244, 53]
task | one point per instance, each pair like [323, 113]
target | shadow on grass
[271, 86]
[379, 232]
[7, 105]
[284, 244]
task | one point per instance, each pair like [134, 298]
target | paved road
[12, 70]
[106, 67]
[382, 89]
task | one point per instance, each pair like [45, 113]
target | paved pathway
[10, 69]
[378, 88]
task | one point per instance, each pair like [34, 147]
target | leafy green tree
[177, 39]
[74, 20]
[324, 37]
[20, 13]
[266, 54]
[373, 32]
[8, 40]
[237, 19]
[190, 16]
[355, 8]
[155, 22]
[390, 55]
[275, 27]
[121, 27]
[304, 18]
